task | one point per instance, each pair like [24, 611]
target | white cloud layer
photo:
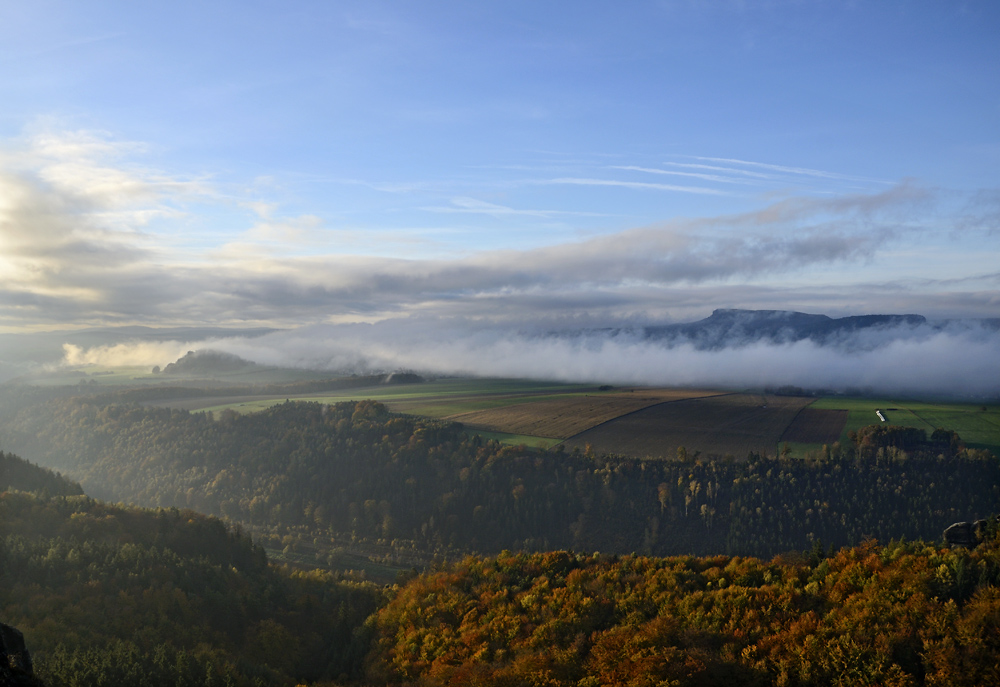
[957, 360]
[126, 354]
[89, 239]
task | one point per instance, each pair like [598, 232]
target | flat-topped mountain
[729, 327]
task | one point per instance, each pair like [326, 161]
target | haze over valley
[730, 349]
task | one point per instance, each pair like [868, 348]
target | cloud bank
[959, 359]
[89, 240]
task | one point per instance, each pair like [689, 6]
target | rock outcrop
[967, 534]
[15, 661]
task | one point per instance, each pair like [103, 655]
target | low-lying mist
[955, 360]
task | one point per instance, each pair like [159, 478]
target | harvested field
[732, 424]
[564, 417]
[812, 426]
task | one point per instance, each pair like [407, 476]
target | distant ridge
[729, 327]
[734, 327]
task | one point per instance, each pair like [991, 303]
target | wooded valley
[309, 476]
[691, 571]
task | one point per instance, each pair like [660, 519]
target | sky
[520, 164]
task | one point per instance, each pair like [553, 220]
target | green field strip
[799, 449]
[450, 399]
[409, 406]
[977, 428]
[438, 402]
[436, 406]
[502, 437]
[441, 410]
[959, 420]
[861, 413]
[356, 394]
[111, 377]
[488, 387]
[264, 403]
[455, 410]
[903, 417]
[516, 439]
[260, 376]
[246, 407]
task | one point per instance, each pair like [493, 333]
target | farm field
[816, 426]
[977, 424]
[569, 415]
[539, 414]
[642, 421]
[729, 424]
[518, 439]
[438, 398]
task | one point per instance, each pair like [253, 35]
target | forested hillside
[107, 595]
[302, 474]
[17, 473]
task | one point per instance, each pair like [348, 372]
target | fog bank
[959, 360]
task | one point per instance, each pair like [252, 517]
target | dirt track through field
[812, 426]
[732, 424]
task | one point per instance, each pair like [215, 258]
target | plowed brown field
[732, 424]
[565, 417]
[813, 426]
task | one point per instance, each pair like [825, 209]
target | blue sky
[294, 163]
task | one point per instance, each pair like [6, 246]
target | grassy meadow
[977, 424]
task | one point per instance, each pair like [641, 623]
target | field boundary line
[923, 419]
[795, 417]
[654, 405]
[989, 421]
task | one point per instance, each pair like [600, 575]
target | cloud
[696, 175]
[962, 359]
[716, 168]
[67, 212]
[48, 242]
[803, 171]
[982, 212]
[134, 354]
[86, 238]
[285, 232]
[89, 166]
[642, 185]
[479, 207]
[82, 243]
